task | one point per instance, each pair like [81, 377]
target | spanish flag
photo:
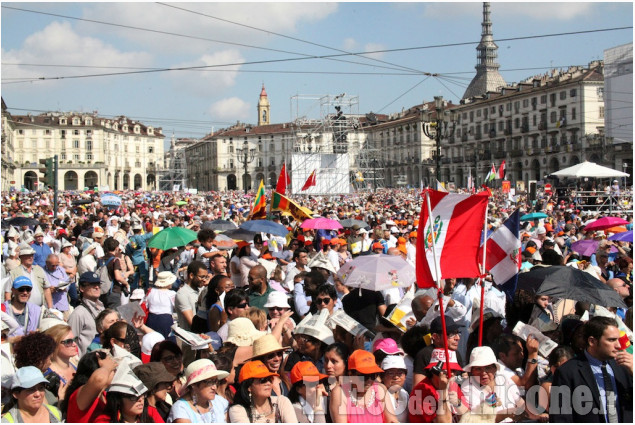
[280, 202]
[260, 204]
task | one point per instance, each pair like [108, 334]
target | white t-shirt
[160, 301]
[181, 409]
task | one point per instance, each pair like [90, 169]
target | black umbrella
[219, 225]
[240, 234]
[82, 201]
[22, 221]
[569, 283]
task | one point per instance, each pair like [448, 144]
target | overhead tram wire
[194, 37]
[403, 94]
[290, 37]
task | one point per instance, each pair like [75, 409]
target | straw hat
[200, 370]
[266, 344]
[165, 279]
[242, 332]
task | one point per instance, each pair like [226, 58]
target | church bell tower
[263, 108]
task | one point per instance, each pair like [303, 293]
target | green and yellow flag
[259, 210]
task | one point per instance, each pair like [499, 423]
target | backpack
[106, 282]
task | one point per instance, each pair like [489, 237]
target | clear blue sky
[189, 103]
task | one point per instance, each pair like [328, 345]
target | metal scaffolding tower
[173, 176]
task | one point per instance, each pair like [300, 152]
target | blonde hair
[58, 332]
[258, 317]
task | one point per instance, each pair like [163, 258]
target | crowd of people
[98, 326]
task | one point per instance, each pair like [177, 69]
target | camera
[437, 368]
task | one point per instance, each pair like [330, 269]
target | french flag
[455, 228]
[503, 257]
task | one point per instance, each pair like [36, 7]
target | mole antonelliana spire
[487, 76]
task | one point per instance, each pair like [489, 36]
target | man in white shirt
[301, 258]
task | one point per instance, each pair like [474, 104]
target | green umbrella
[179, 203]
[172, 237]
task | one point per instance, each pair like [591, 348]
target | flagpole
[482, 280]
[438, 281]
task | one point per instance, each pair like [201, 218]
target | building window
[76, 157]
[563, 95]
[47, 132]
[553, 117]
[573, 93]
[21, 132]
[517, 123]
[573, 113]
[517, 106]
[137, 149]
[76, 144]
[478, 113]
[471, 116]
[76, 132]
[501, 125]
[508, 106]
[552, 99]
[89, 156]
[150, 149]
[601, 111]
[63, 156]
[525, 103]
[34, 144]
[543, 99]
[89, 145]
[600, 93]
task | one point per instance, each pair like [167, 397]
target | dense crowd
[98, 326]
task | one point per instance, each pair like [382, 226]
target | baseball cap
[89, 277]
[450, 325]
[438, 355]
[254, 369]
[307, 372]
[377, 245]
[27, 377]
[363, 362]
[393, 362]
[20, 282]
[387, 345]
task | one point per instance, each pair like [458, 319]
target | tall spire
[263, 107]
[487, 76]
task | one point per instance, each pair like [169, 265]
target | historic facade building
[8, 165]
[118, 153]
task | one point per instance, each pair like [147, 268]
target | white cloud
[282, 18]
[350, 44]
[58, 43]
[207, 82]
[510, 10]
[230, 109]
[371, 47]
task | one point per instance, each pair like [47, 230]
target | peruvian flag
[309, 182]
[455, 228]
[503, 257]
[283, 180]
[501, 171]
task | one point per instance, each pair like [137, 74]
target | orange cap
[267, 256]
[531, 249]
[377, 245]
[242, 244]
[254, 369]
[363, 362]
[413, 234]
[401, 240]
[307, 372]
[402, 248]
[335, 241]
[548, 227]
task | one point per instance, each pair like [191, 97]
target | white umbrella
[589, 169]
[377, 272]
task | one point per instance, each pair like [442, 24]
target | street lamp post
[247, 156]
[440, 125]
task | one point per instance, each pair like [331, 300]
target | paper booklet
[546, 344]
[190, 338]
[402, 312]
[130, 310]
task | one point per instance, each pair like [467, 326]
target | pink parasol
[321, 223]
[605, 223]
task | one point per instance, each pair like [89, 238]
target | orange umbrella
[616, 229]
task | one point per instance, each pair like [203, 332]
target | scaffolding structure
[333, 145]
[173, 176]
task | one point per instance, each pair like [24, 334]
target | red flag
[457, 220]
[283, 180]
[309, 182]
[501, 170]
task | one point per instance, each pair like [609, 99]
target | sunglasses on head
[70, 341]
[24, 289]
[324, 300]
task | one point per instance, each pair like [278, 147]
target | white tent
[589, 169]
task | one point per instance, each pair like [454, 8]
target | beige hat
[12, 233]
[165, 279]
[126, 382]
[200, 370]
[482, 356]
[65, 243]
[316, 327]
[26, 249]
[266, 344]
[89, 248]
[242, 332]
[98, 235]
[38, 231]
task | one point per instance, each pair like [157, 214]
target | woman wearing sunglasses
[126, 400]
[360, 398]
[268, 350]
[198, 402]
[62, 369]
[253, 402]
[85, 398]
[28, 404]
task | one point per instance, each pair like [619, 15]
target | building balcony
[470, 158]
[457, 159]
[445, 160]
[482, 155]
[271, 168]
[260, 168]
[517, 153]
[500, 154]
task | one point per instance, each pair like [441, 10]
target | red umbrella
[321, 223]
[605, 223]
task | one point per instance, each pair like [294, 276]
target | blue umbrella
[265, 226]
[622, 237]
[533, 216]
